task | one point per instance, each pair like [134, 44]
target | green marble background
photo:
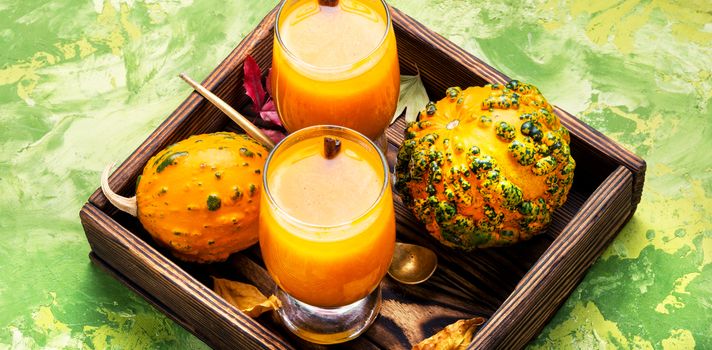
[82, 83]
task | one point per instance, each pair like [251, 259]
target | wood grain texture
[517, 288]
[193, 302]
[541, 290]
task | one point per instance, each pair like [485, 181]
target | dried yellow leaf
[412, 98]
[456, 336]
[245, 297]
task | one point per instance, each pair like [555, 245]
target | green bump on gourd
[429, 138]
[246, 152]
[505, 131]
[474, 150]
[449, 194]
[417, 166]
[424, 124]
[492, 175]
[170, 160]
[453, 92]
[544, 166]
[511, 193]
[527, 208]
[507, 233]
[505, 101]
[569, 167]
[436, 173]
[430, 108]
[444, 211]
[236, 193]
[481, 164]
[512, 84]
[214, 202]
[464, 184]
[521, 152]
[490, 213]
[549, 118]
[526, 128]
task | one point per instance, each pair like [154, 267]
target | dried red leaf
[275, 135]
[261, 103]
[268, 82]
[253, 83]
[269, 113]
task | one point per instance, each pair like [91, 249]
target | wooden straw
[245, 124]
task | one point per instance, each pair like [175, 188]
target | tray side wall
[220, 322]
[561, 267]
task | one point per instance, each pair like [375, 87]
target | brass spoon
[411, 264]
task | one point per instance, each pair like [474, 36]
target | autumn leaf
[412, 98]
[269, 113]
[262, 102]
[268, 82]
[275, 135]
[246, 297]
[253, 83]
[456, 336]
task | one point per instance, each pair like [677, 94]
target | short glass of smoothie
[327, 231]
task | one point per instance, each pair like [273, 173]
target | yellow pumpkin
[485, 166]
[200, 196]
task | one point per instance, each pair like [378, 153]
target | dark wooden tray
[516, 288]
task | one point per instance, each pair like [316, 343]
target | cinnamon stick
[330, 3]
[332, 147]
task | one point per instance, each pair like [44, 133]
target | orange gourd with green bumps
[485, 166]
[200, 197]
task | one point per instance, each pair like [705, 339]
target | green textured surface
[82, 83]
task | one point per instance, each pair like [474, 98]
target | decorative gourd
[486, 166]
[200, 197]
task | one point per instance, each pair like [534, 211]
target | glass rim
[303, 223]
[337, 68]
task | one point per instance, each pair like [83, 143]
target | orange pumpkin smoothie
[327, 226]
[335, 65]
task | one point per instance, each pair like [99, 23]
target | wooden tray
[516, 288]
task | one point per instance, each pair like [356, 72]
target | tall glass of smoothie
[335, 62]
[327, 231]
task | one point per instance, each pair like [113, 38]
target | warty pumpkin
[485, 166]
[200, 197]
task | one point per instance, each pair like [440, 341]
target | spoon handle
[245, 124]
